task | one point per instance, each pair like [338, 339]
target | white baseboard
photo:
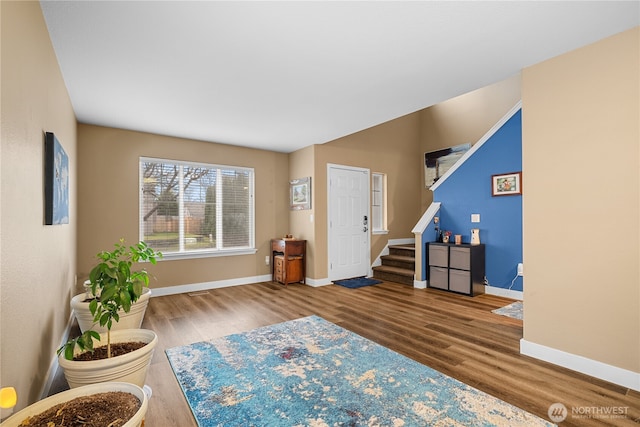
[203, 286]
[420, 284]
[501, 292]
[53, 366]
[316, 283]
[603, 371]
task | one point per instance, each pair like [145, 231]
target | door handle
[364, 229]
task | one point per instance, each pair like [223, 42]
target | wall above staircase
[466, 190]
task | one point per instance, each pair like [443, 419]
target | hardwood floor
[454, 334]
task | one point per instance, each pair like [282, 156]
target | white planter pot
[131, 320]
[131, 367]
[65, 396]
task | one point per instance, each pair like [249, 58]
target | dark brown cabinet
[288, 259]
[456, 268]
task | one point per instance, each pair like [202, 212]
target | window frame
[200, 253]
[382, 177]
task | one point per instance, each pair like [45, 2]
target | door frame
[367, 190]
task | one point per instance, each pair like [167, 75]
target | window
[194, 209]
[379, 203]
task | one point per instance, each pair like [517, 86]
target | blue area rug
[513, 310]
[310, 372]
[357, 282]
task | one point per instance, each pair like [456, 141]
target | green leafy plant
[116, 287]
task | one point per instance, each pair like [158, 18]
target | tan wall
[301, 222]
[581, 201]
[465, 119]
[108, 190]
[390, 148]
[37, 261]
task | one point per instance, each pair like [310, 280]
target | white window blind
[195, 208]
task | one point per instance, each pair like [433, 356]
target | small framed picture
[300, 194]
[506, 184]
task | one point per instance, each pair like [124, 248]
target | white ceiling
[285, 75]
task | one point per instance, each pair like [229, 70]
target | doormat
[513, 310]
[311, 372]
[357, 282]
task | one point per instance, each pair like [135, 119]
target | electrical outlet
[520, 269]
[266, 260]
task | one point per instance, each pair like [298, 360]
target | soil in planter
[117, 349]
[110, 409]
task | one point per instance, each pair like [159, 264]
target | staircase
[399, 266]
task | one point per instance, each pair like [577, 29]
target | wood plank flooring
[454, 334]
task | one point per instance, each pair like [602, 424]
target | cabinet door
[460, 258]
[438, 277]
[460, 281]
[294, 269]
[439, 255]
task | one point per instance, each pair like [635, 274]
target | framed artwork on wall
[56, 181]
[300, 194]
[437, 163]
[506, 184]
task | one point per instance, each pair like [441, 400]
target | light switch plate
[475, 217]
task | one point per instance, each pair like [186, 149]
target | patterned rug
[357, 282]
[513, 310]
[310, 372]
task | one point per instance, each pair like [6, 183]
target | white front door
[348, 222]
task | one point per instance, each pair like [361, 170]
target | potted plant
[114, 274]
[117, 287]
[77, 406]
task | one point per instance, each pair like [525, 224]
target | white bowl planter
[131, 367]
[131, 320]
[65, 396]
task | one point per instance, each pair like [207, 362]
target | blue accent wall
[468, 191]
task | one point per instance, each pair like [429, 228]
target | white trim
[603, 371]
[420, 284]
[477, 145]
[404, 241]
[502, 292]
[53, 366]
[203, 286]
[316, 283]
[427, 217]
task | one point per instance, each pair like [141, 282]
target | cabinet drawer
[460, 258]
[439, 255]
[438, 277]
[460, 281]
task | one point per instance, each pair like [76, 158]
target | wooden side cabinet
[288, 260]
[456, 268]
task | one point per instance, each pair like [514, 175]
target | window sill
[380, 232]
[206, 254]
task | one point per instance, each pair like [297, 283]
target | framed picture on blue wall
[56, 181]
[506, 184]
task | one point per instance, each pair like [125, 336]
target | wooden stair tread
[395, 270]
[399, 258]
[403, 247]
